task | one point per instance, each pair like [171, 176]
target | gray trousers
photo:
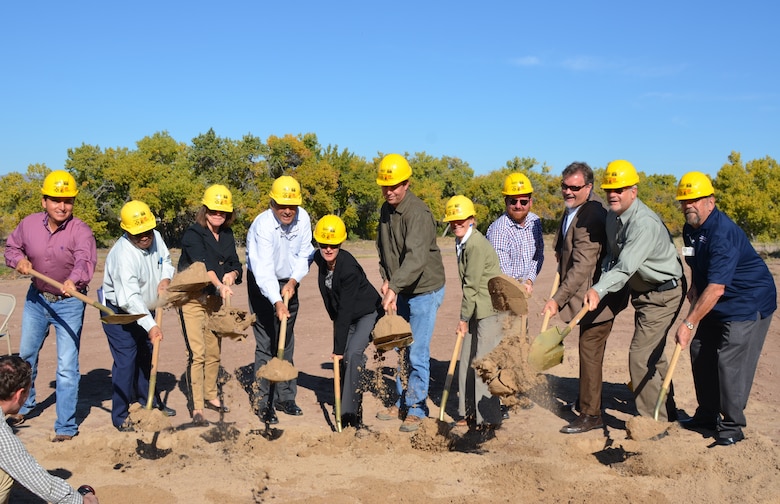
[655, 312]
[724, 356]
[354, 362]
[474, 398]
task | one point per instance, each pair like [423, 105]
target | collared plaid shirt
[17, 462]
[520, 248]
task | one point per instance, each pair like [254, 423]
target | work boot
[390, 413]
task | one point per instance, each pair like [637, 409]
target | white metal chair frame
[7, 307]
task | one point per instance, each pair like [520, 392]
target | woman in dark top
[353, 304]
[209, 240]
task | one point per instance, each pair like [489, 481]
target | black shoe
[167, 411]
[504, 412]
[728, 441]
[289, 407]
[223, 408]
[695, 422]
[127, 426]
[199, 421]
[268, 415]
[583, 423]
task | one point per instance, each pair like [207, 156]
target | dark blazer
[199, 245]
[580, 252]
[350, 297]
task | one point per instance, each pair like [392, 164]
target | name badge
[687, 252]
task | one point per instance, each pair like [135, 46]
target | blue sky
[670, 86]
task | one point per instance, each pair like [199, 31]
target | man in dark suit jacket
[579, 249]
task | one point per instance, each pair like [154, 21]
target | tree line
[170, 176]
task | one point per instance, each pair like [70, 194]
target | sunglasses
[329, 246]
[215, 212]
[515, 201]
[572, 188]
[619, 190]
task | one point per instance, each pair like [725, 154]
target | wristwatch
[689, 325]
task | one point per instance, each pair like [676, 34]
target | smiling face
[284, 213]
[518, 206]
[215, 219]
[329, 252]
[461, 227]
[620, 199]
[58, 209]
[142, 240]
[575, 191]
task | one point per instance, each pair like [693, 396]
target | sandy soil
[305, 460]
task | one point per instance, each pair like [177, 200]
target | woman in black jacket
[353, 305]
[209, 240]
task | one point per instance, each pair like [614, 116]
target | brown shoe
[411, 423]
[59, 438]
[583, 423]
[15, 419]
[390, 413]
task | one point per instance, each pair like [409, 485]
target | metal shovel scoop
[109, 318]
[391, 331]
[547, 349]
[277, 369]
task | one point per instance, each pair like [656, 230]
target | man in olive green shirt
[413, 282]
[641, 255]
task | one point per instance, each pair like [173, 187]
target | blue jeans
[420, 311]
[67, 317]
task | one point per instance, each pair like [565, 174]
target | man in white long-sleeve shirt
[278, 246]
[138, 272]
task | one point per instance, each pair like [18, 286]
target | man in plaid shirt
[16, 463]
[517, 233]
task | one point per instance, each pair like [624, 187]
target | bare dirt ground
[527, 460]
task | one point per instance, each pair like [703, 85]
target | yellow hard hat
[393, 169]
[694, 185]
[330, 230]
[218, 198]
[517, 183]
[286, 191]
[137, 217]
[458, 208]
[59, 184]
[619, 173]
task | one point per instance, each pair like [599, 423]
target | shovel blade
[547, 349]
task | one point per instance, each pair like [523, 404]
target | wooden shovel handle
[337, 390]
[283, 331]
[155, 358]
[76, 294]
[547, 314]
[450, 373]
[667, 380]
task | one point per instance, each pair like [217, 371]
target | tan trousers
[6, 482]
[204, 351]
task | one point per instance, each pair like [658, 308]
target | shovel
[337, 389]
[547, 349]
[450, 373]
[391, 331]
[155, 357]
[667, 381]
[228, 322]
[277, 369]
[110, 318]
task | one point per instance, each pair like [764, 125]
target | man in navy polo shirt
[732, 299]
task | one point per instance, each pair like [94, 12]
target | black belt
[668, 285]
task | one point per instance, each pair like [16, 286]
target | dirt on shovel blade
[641, 428]
[193, 278]
[229, 322]
[277, 370]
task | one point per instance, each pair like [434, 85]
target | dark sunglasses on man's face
[572, 188]
[619, 190]
[515, 201]
[329, 246]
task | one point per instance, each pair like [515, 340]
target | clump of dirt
[505, 369]
[186, 285]
[148, 420]
[641, 428]
[433, 436]
[229, 322]
[277, 370]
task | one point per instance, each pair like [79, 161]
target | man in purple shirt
[62, 247]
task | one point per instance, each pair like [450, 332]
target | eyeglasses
[618, 190]
[572, 188]
[329, 246]
[215, 212]
[515, 201]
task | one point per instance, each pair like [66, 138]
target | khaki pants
[204, 351]
[6, 482]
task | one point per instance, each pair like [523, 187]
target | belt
[668, 285]
[53, 298]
